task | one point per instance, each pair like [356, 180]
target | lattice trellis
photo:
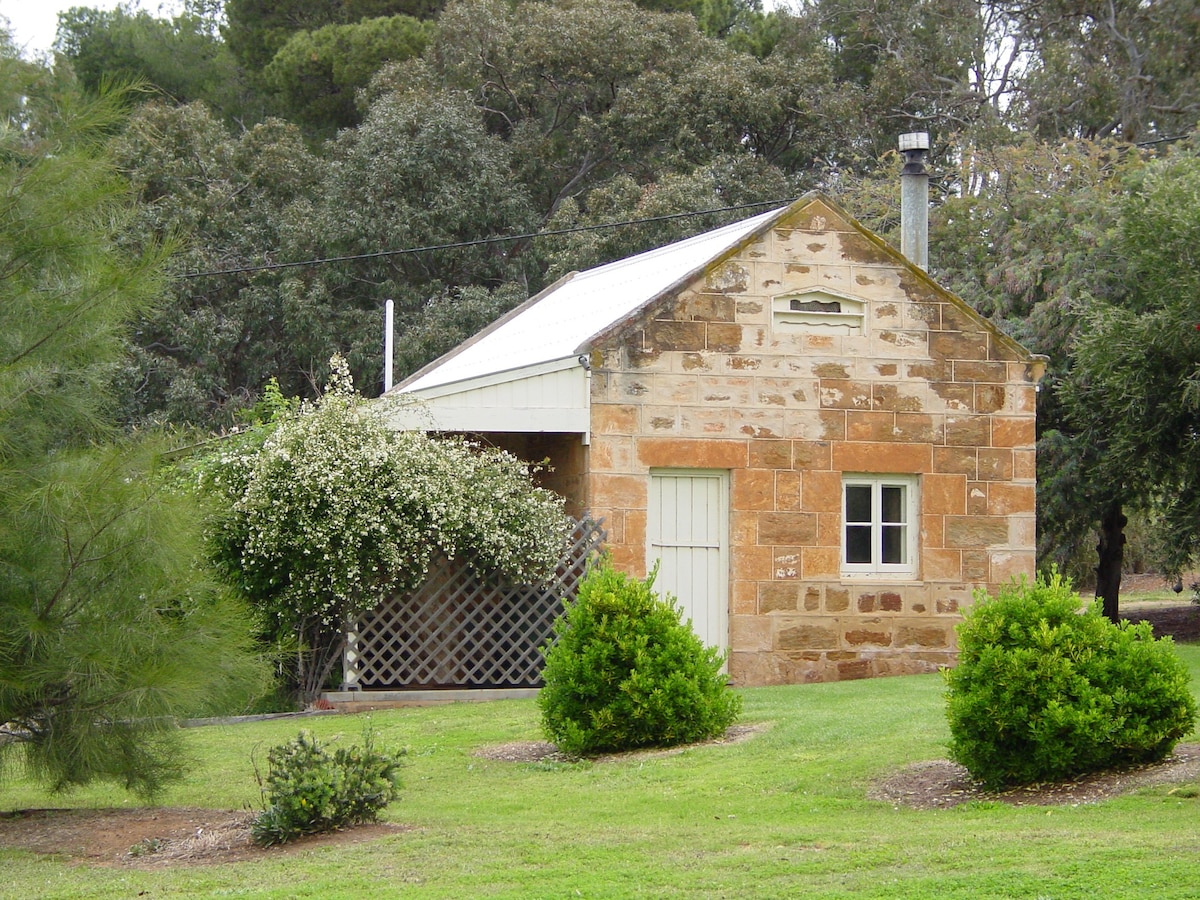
[459, 631]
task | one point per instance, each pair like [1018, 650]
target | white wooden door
[687, 532]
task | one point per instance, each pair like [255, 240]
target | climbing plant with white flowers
[336, 511]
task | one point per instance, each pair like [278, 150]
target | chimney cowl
[915, 140]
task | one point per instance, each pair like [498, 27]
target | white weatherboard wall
[547, 397]
[687, 532]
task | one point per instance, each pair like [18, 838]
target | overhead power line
[267, 267]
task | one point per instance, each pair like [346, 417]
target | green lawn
[783, 814]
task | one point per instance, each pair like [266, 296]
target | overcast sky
[33, 21]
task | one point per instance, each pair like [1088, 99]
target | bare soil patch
[157, 836]
[942, 784]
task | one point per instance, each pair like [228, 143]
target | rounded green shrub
[310, 790]
[625, 672]
[1044, 692]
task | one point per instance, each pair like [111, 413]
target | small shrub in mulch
[626, 673]
[309, 790]
[1044, 693]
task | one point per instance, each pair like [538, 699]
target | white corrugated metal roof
[556, 324]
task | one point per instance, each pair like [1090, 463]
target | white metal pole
[388, 313]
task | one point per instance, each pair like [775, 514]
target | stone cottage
[824, 452]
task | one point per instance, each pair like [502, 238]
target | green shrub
[625, 672]
[1043, 692]
[309, 791]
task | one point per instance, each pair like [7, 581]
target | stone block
[975, 566]
[1006, 499]
[786, 563]
[838, 393]
[751, 563]
[821, 563]
[787, 528]
[722, 338]
[881, 458]
[807, 636]
[976, 532]
[749, 633]
[823, 492]
[1010, 431]
[977, 503]
[889, 601]
[870, 426]
[968, 431]
[674, 336]
[980, 370]
[698, 453]
[1007, 565]
[705, 307]
[771, 454]
[837, 599]
[776, 596]
[924, 636]
[955, 397]
[989, 398]
[944, 494]
[889, 397]
[933, 532]
[610, 418]
[995, 465]
[743, 598]
[852, 670]
[1024, 465]
[812, 599]
[743, 527]
[617, 491]
[752, 489]
[958, 345]
[833, 425]
[809, 455]
[707, 421]
[941, 565]
[915, 428]
[788, 493]
[956, 460]
[876, 637]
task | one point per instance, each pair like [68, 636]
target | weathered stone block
[776, 596]
[980, 370]
[753, 489]
[853, 670]
[724, 338]
[890, 601]
[890, 397]
[974, 532]
[1008, 431]
[838, 393]
[823, 492]
[706, 307]
[821, 563]
[609, 418]
[926, 636]
[968, 431]
[787, 528]
[807, 637]
[989, 398]
[870, 426]
[995, 465]
[913, 459]
[956, 460]
[956, 397]
[861, 636]
[691, 453]
[664, 335]
[812, 599]
[958, 345]
[943, 494]
[837, 599]
[1006, 499]
[771, 454]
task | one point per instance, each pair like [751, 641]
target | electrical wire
[267, 267]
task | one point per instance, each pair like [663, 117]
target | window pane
[893, 544]
[858, 543]
[858, 503]
[893, 503]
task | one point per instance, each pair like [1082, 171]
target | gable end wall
[704, 380]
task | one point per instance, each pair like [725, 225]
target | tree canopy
[109, 624]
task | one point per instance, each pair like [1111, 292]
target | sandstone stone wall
[711, 379]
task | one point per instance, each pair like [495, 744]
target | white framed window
[879, 525]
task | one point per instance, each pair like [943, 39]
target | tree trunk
[1111, 551]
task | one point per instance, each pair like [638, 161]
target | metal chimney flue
[914, 199]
